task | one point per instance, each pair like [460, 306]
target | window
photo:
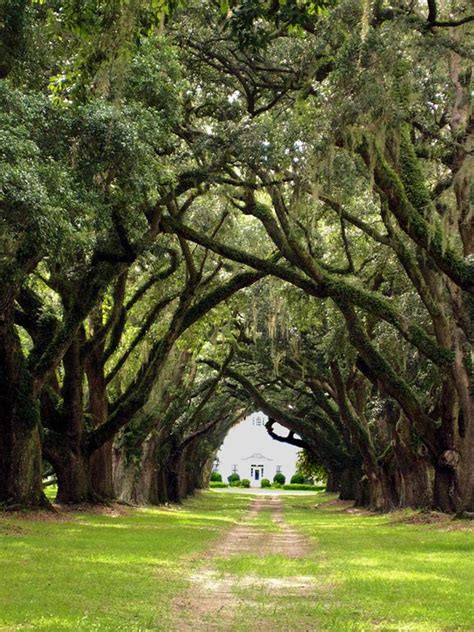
[278, 468]
[258, 419]
[234, 469]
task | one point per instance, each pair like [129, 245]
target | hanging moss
[413, 222]
[411, 174]
[374, 304]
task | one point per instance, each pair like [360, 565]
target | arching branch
[290, 438]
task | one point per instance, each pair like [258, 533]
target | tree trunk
[176, 477]
[195, 459]
[382, 492]
[73, 477]
[64, 448]
[333, 484]
[100, 465]
[20, 450]
[133, 476]
[454, 475]
[349, 483]
[20, 464]
[410, 467]
[101, 473]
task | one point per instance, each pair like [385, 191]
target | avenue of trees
[212, 207]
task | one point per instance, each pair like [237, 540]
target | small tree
[233, 478]
[216, 477]
[310, 468]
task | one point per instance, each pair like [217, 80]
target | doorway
[256, 472]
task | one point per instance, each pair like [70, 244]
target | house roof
[257, 457]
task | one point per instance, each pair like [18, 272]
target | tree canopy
[210, 207]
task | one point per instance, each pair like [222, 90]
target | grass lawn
[388, 574]
[121, 572]
[369, 572]
[104, 572]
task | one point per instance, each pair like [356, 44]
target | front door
[256, 472]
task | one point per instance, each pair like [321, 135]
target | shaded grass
[84, 571]
[87, 571]
[365, 572]
[387, 575]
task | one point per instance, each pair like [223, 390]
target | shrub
[235, 484]
[245, 482]
[304, 487]
[279, 478]
[277, 485]
[298, 479]
[233, 478]
[216, 477]
[265, 483]
[218, 484]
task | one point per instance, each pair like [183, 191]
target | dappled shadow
[86, 571]
[213, 597]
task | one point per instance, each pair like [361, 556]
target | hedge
[218, 484]
[304, 487]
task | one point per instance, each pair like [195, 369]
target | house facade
[249, 451]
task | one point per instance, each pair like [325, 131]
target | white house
[249, 450]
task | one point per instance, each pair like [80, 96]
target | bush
[245, 482]
[218, 484]
[233, 478]
[279, 478]
[297, 479]
[235, 484]
[216, 477]
[277, 485]
[265, 483]
[304, 487]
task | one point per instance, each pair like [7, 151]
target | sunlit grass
[267, 566]
[387, 576]
[89, 571]
[98, 572]
[50, 492]
[363, 573]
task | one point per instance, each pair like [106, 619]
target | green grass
[99, 572]
[304, 487]
[395, 576]
[364, 572]
[50, 492]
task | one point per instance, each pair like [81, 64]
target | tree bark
[100, 461]
[20, 450]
